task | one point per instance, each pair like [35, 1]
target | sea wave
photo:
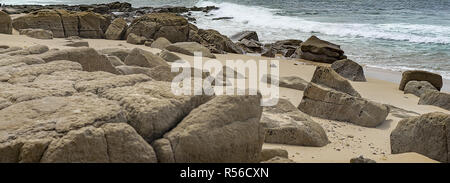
[266, 19]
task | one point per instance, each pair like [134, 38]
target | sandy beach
[347, 140]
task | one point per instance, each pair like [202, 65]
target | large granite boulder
[328, 77]
[318, 50]
[418, 88]
[154, 25]
[189, 48]
[285, 124]
[92, 25]
[225, 129]
[89, 58]
[5, 23]
[349, 69]
[427, 134]
[69, 129]
[42, 19]
[217, 41]
[116, 30]
[328, 103]
[142, 58]
[416, 75]
[151, 107]
[64, 23]
[70, 22]
[160, 43]
[436, 98]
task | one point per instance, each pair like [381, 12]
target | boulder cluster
[78, 105]
[331, 96]
[64, 23]
[427, 86]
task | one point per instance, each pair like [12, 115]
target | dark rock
[5, 23]
[349, 69]
[249, 35]
[361, 159]
[318, 50]
[416, 75]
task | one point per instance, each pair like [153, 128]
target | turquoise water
[395, 35]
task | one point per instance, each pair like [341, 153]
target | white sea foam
[266, 20]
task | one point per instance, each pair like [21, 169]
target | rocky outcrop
[416, 75]
[37, 33]
[89, 58]
[285, 124]
[427, 134]
[328, 103]
[142, 58]
[251, 46]
[189, 48]
[60, 134]
[64, 23]
[116, 30]
[152, 26]
[318, 50]
[5, 23]
[328, 77]
[225, 129]
[216, 42]
[436, 98]
[92, 25]
[349, 69]
[249, 35]
[418, 88]
[42, 19]
[55, 112]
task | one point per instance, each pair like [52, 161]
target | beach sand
[347, 140]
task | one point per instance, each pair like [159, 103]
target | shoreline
[378, 97]
[371, 71]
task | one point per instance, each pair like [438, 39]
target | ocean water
[389, 34]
